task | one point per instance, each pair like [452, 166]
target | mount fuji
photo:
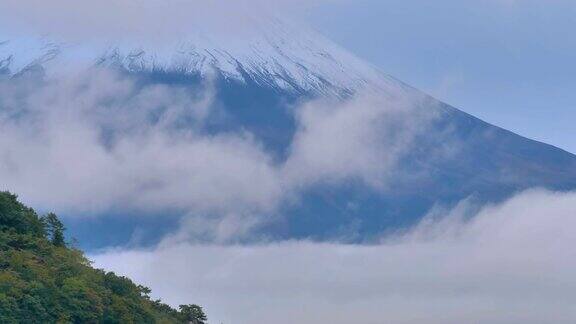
[259, 79]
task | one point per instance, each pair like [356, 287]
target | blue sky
[511, 63]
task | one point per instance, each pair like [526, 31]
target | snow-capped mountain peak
[276, 53]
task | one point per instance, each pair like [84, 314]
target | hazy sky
[511, 63]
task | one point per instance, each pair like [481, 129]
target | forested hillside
[44, 280]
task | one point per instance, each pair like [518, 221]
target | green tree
[16, 217]
[193, 314]
[55, 229]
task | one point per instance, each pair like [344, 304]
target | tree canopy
[43, 280]
[193, 314]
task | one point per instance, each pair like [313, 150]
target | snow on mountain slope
[275, 53]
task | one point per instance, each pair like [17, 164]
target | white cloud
[511, 263]
[361, 139]
[93, 141]
[97, 140]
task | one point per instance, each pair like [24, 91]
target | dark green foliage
[55, 229]
[193, 314]
[18, 218]
[44, 281]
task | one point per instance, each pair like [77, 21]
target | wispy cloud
[360, 139]
[97, 140]
[511, 263]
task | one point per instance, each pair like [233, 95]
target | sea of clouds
[509, 263]
[97, 140]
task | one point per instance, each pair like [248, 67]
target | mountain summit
[273, 53]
